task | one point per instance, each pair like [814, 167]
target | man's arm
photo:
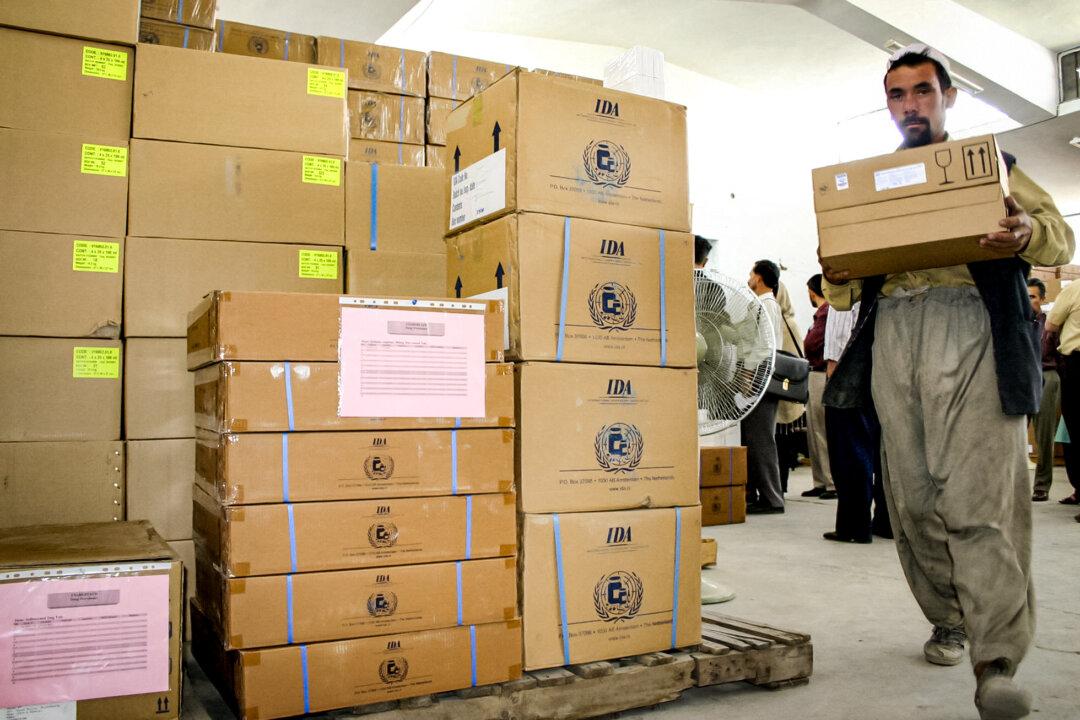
[1034, 228]
[842, 296]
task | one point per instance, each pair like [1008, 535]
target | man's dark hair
[1037, 283]
[769, 273]
[915, 60]
[814, 283]
[702, 248]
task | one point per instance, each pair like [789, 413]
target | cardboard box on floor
[912, 209]
[100, 554]
[723, 466]
[376, 67]
[544, 144]
[250, 468]
[394, 208]
[254, 41]
[60, 389]
[241, 194]
[628, 576]
[621, 434]
[199, 13]
[159, 485]
[103, 20]
[166, 278]
[395, 273]
[157, 390]
[61, 85]
[456, 77]
[185, 550]
[233, 100]
[386, 153]
[381, 116]
[628, 290]
[61, 482]
[311, 607]
[268, 683]
[438, 110]
[305, 537]
[723, 505]
[68, 184]
[159, 32]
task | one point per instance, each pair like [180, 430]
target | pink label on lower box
[83, 638]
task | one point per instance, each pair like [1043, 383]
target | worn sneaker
[998, 697]
[945, 646]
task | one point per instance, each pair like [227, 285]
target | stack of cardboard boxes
[723, 485]
[178, 23]
[572, 201]
[371, 559]
[254, 41]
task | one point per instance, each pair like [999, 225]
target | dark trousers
[762, 465]
[854, 439]
[1070, 410]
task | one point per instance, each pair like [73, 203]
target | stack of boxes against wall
[343, 561]
[579, 213]
[178, 23]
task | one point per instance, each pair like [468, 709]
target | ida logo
[619, 447]
[382, 535]
[381, 604]
[606, 107]
[618, 596]
[394, 670]
[612, 306]
[371, 68]
[606, 163]
[379, 467]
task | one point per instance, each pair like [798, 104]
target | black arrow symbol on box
[971, 160]
[499, 272]
[457, 158]
[495, 134]
[982, 158]
[457, 287]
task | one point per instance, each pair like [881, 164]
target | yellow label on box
[95, 256]
[102, 63]
[319, 264]
[96, 363]
[104, 160]
[327, 83]
[322, 170]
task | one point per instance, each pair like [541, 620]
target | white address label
[900, 177]
[479, 190]
[841, 181]
[51, 711]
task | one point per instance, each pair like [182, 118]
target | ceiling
[364, 20]
[1043, 150]
[1054, 24]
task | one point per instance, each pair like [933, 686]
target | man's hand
[836, 277]
[1017, 233]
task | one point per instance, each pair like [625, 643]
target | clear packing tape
[197, 13]
[253, 41]
[386, 117]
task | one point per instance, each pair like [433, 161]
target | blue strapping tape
[403, 78]
[453, 462]
[373, 230]
[285, 467]
[292, 537]
[187, 35]
[289, 608]
[472, 652]
[663, 300]
[304, 670]
[468, 527]
[453, 79]
[457, 423]
[180, 11]
[562, 590]
[288, 394]
[286, 46]
[401, 120]
[342, 53]
[565, 289]
[460, 604]
[675, 599]
[220, 36]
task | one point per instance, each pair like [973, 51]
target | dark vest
[1014, 331]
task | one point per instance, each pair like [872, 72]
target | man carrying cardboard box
[956, 370]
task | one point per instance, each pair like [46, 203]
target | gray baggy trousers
[955, 470]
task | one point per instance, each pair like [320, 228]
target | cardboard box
[199, 13]
[376, 67]
[68, 184]
[166, 278]
[159, 32]
[251, 468]
[250, 397]
[310, 607]
[185, 550]
[254, 41]
[386, 153]
[619, 309]
[100, 557]
[708, 552]
[157, 390]
[723, 505]
[723, 466]
[205, 192]
[623, 574]
[394, 273]
[381, 116]
[305, 537]
[159, 474]
[456, 77]
[56, 84]
[544, 144]
[621, 433]
[232, 100]
[438, 110]
[299, 327]
[59, 389]
[103, 20]
[395, 208]
[61, 482]
[268, 683]
[568, 76]
[437, 156]
[60, 285]
[912, 209]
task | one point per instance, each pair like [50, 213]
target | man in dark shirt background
[1045, 423]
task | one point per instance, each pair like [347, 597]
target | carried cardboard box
[160, 32]
[310, 607]
[60, 285]
[245, 540]
[394, 208]
[252, 468]
[165, 278]
[630, 583]
[61, 85]
[57, 577]
[240, 39]
[102, 20]
[723, 505]
[376, 67]
[185, 550]
[913, 209]
[208, 192]
[723, 466]
[438, 110]
[157, 390]
[386, 153]
[59, 389]
[237, 101]
[456, 77]
[70, 184]
[381, 116]
[269, 683]
[604, 437]
[627, 291]
[544, 144]
[159, 485]
[396, 273]
[199, 13]
[61, 482]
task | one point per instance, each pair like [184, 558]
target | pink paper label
[83, 638]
